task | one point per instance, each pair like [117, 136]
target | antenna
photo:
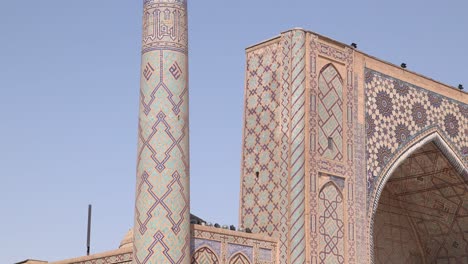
[88, 241]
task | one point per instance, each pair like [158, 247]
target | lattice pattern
[162, 229]
[330, 109]
[261, 194]
[331, 226]
[397, 112]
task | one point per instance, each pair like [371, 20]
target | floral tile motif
[397, 112]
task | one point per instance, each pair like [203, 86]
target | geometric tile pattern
[297, 180]
[162, 228]
[261, 187]
[313, 155]
[284, 146]
[331, 226]
[423, 212]
[332, 122]
[265, 254]
[239, 258]
[397, 112]
[273, 171]
[204, 255]
[237, 249]
[395, 240]
[361, 219]
[351, 149]
[125, 258]
[330, 109]
[230, 247]
[214, 246]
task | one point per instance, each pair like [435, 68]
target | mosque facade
[345, 159]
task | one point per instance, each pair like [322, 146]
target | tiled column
[162, 214]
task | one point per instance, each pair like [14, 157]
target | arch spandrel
[398, 115]
[400, 118]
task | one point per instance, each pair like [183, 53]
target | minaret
[162, 208]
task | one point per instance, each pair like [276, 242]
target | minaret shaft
[162, 208]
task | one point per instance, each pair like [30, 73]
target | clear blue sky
[69, 82]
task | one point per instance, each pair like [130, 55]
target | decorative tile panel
[330, 110]
[342, 163]
[231, 246]
[265, 254]
[261, 187]
[239, 258]
[234, 249]
[264, 200]
[331, 225]
[398, 112]
[215, 246]
[162, 228]
[116, 259]
[204, 255]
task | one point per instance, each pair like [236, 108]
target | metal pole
[88, 241]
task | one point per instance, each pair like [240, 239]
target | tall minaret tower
[162, 208]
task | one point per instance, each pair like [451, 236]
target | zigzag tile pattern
[162, 228]
[239, 259]
[204, 255]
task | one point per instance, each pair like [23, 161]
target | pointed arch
[432, 136]
[330, 109]
[239, 258]
[331, 224]
[330, 66]
[204, 255]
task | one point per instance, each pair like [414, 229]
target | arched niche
[330, 109]
[417, 213]
[204, 255]
[331, 224]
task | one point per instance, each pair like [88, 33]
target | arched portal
[420, 213]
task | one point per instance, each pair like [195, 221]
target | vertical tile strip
[297, 193]
[284, 144]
